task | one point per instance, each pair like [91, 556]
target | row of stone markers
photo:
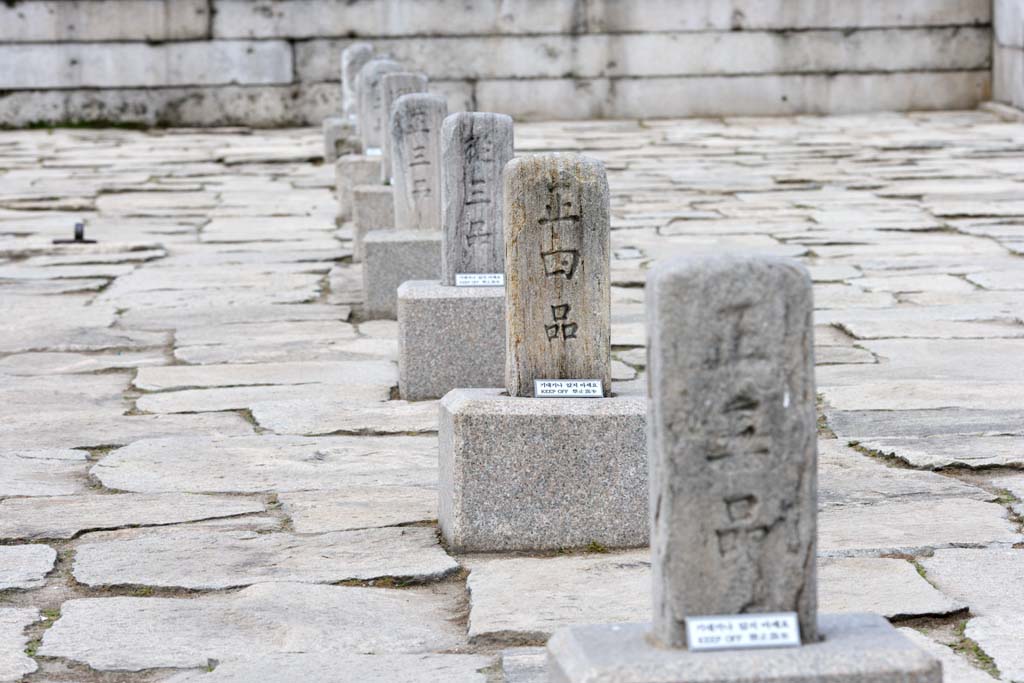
[498, 269]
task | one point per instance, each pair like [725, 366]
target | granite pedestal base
[349, 171]
[339, 138]
[449, 338]
[542, 473]
[392, 257]
[856, 648]
[373, 208]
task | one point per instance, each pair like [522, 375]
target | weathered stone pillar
[558, 271]
[394, 86]
[371, 102]
[474, 149]
[353, 58]
[416, 144]
[732, 440]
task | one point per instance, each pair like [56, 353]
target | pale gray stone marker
[454, 337]
[732, 442]
[353, 58]
[558, 271]
[371, 102]
[394, 86]
[523, 473]
[351, 171]
[416, 144]
[475, 147]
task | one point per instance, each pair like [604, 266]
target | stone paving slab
[14, 663]
[25, 566]
[358, 507]
[326, 668]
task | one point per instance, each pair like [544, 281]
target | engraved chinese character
[560, 314]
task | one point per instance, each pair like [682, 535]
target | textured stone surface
[732, 439]
[314, 667]
[321, 417]
[556, 221]
[205, 559]
[1000, 638]
[415, 131]
[859, 648]
[475, 147]
[14, 663]
[955, 668]
[68, 516]
[393, 86]
[449, 338]
[252, 374]
[353, 58]
[883, 586]
[358, 507]
[392, 257]
[371, 100]
[43, 472]
[131, 634]
[523, 474]
[268, 463]
[373, 208]
[988, 580]
[352, 170]
[952, 451]
[25, 566]
[337, 138]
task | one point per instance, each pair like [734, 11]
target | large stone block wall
[1008, 52]
[274, 62]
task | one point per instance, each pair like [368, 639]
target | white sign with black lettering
[373, 152]
[479, 279]
[567, 388]
[743, 631]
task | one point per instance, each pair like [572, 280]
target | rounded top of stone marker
[377, 66]
[586, 169]
[703, 265]
[462, 118]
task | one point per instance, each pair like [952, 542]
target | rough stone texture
[211, 559]
[337, 139]
[523, 474]
[415, 131]
[986, 579]
[392, 257]
[373, 208]
[952, 451]
[14, 663]
[556, 221]
[857, 648]
[68, 516]
[269, 463]
[732, 439]
[371, 101]
[315, 667]
[358, 507]
[882, 586]
[1000, 638]
[449, 338]
[393, 86]
[43, 472]
[955, 668]
[25, 566]
[475, 147]
[352, 170]
[339, 373]
[353, 58]
[325, 416]
[132, 634]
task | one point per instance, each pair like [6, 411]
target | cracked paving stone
[923, 395]
[312, 418]
[988, 580]
[952, 451]
[340, 373]
[269, 463]
[25, 566]
[836, 355]
[14, 663]
[68, 516]
[248, 397]
[132, 634]
[955, 669]
[325, 668]
[879, 585]
[210, 559]
[1001, 639]
[203, 313]
[41, 363]
[913, 528]
[43, 472]
[873, 424]
[358, 507]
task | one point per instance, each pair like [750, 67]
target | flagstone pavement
[205, 476]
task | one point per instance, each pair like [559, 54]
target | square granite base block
[373, 209]
[856, 648]
[449, 338]
[349, 171]
[542, 473]
[392, 257]
[339, 138]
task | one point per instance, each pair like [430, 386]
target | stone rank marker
[558, 271]
[454, 337]
[353, 58]
[474, 149]
[732, 444]
[395, 85]
[371, 101]
[416, 146]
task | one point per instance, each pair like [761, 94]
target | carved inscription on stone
[353, 58]
[557, 271]
[474, 149]
[416, 147]
[393, 86]
[732, 440]
[371, 101]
